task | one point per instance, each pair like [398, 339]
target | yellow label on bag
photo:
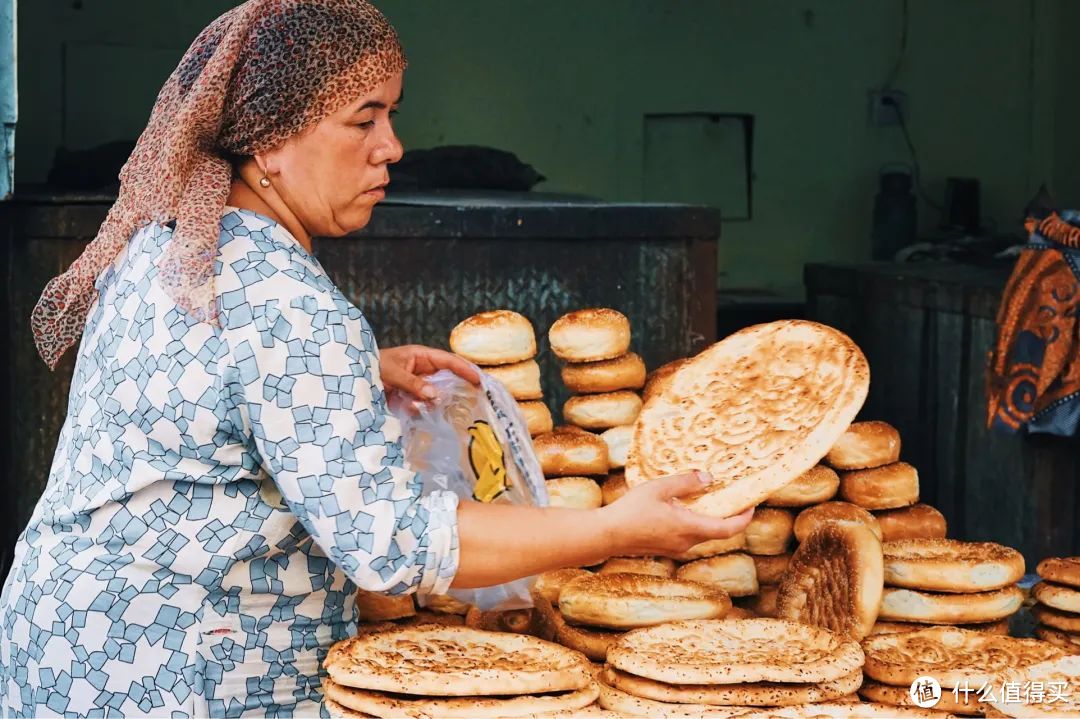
[486, 460]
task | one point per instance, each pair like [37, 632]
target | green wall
[565, 84]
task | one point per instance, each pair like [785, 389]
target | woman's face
[331, 176]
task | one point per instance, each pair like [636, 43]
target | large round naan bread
[437, 661]
[949, 565]
[949, 655]
[839, 710]
[629, 601]
[736, 651]
[626, 704]
[1059, 680]
[755, 410]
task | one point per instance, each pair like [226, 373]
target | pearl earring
[265, 181]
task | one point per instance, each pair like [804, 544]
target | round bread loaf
[521, 379]
[593, 643]
[770, 569]
[537, 417]
[888, 487]
[653, 566]
[658, 380]
[378, 607]
[549, 584]
[613, 487]
[627, 601]
[909, 605]
[1062, 571]
[590, 335]
[618, 441]
[1056, 619]
[734, 573]
[625, 372]
[1062, 640]
[569, 451]
[770, 531]
[817, 485]
[602, 411]
[955, 702]
[494, 338]
[1057, 596]
[865, 445]
[919, 521]
[949, 565]
[813, 517]
[574, 493]
[713, 547]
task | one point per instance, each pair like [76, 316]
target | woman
[228, 473]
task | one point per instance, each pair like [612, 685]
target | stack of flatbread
[436, 671]
[591, 612]
[707, 668]
[960, 660]
[1057, 608]
[946, 581]
[1048, 689]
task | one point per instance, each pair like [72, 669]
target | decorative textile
[217, 495]
[258, 75]
[1033, 377]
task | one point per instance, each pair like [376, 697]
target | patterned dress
[217, 495]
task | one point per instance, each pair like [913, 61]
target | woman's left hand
[404, 368]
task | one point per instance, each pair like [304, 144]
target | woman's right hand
[648, 521]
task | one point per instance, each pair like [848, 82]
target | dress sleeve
[306, 379]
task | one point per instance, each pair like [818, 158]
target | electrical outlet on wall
[884, 105]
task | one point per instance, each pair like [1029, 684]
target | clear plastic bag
[473, 441]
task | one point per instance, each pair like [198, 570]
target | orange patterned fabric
[259, 74]
[1033, 377]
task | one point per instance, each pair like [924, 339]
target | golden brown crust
[549, 584]
[835, 580]
[593, 643]
[813, 517]
[1056, 619]
[713, 547]
[910, 605]
[865, 445]
[662, 567]
[627, 601]
[919, 521]
[949, 565]
[521, 379]
[574, 493]
[564, 452]
[625, 372]
[1057, 673]
[537, 417]
[740, 613]
[657, 381]
[816, 485]
[379, 607]
[751, 436]
[734, 573]
[602, 411]
[889, 487]
[764, 604]
[590, 335]
[1000, 627]
[1057, 596]
[770, 531]
[618, 441]
[514, 621]
[1060, 570]
[955, 702]
[494, 338]
[1065, 641]
[770, 568]
[613, 487]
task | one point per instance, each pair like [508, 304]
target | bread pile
[706, 668]
[956, 658]
[1047, 689]
[1057, 607]
[454, 672]
[503, 343]
[590, 612]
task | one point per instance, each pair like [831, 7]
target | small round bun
[379, 607]
[602, 411]
[653, 566]
[574, 493]
[521, 379]
[618, 441]
[817, 485]
[769, 532]
[658, 380]
[625, 372]
[735, 573]
[590, 335]
[494, 338]
[771, 568]
[569, 451]
[889, 487]
[537, 417]
[919, 521]
[613, 487]
[713, 547]
[865, 445]
[549, 584]
[813, 517]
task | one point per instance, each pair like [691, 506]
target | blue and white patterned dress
[216, 496]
